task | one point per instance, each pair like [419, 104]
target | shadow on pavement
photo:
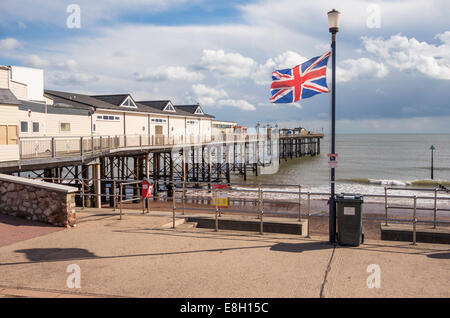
[56, 254]
[301, 247]
[439, 255]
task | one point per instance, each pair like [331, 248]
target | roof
[188, 108]
[113, 102]
[7, 97]
[158, 104]
[112, 99]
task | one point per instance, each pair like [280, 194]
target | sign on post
[220, 200]
[332, 160]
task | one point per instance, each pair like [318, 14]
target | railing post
[183, 198]
[309, 213]
[140, 141]
[120, 200]
[81, 146]
[174, 206]
[385, 206]
[115, 195]
[435, 208]
[217, 209]
[53, 148]
[82, 194]
[415, 221]
[109, 143]
[261, 224]
[101, 143]
[299, 202]
[92, 144]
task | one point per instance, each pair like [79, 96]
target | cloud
[240, 103]
[203, 91]
[360, 68]
[34, 60]
[9, 44]
[168, 73]
[70, 78]
[218, 98]
[408, 54]
[232, 65]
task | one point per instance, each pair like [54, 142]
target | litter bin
[349, 219]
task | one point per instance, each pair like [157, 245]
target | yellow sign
[220, 202]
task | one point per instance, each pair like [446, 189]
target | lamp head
[333, 21]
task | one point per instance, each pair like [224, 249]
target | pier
[97, 165]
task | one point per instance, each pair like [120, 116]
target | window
[169, 108]
[35, 127]
[107, 117]
[128, 103]
[117, 118]
[23, 126]
[65, 126]
[199, 111]
[158, 120]
[99, 117]
[8, 135]
[191, 122]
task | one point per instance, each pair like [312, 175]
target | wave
[401, 183]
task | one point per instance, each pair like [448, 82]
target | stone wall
[37, 200]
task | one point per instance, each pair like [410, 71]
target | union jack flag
[302, 81]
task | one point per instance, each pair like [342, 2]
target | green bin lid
[349, 197]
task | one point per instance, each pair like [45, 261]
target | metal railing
[259, 194]
[53, 147]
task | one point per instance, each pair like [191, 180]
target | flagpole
[333, 20]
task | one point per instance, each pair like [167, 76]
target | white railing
[53, 147]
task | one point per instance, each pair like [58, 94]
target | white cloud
[203, 91]
[34, 60]
[407, 54]
[70, 78]
[288, 59]
[361, 68]
[233, 65]
[169, 73]
[239, 103]
[9, 44]
[213, 97]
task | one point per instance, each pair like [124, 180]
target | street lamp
[333, 25]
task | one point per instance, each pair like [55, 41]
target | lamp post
[333, 25]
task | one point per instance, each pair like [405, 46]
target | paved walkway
[140, 257]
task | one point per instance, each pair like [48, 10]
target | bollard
[414, 221]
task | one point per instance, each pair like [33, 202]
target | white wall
[33, 78]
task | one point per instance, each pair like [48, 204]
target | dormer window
[128, 103]
[199, 111]
[169, 108]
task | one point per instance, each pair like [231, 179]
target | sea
[369, 162]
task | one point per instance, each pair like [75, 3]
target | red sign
[147, 189]
[219, 186]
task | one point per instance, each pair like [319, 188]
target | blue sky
[393, 57]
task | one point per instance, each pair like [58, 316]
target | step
[237, 223]
[424, 233]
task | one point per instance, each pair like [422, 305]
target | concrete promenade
[141, 256]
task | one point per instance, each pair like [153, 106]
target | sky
[393, 57]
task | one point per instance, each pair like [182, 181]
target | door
[159, 134]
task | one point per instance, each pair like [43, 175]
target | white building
[28, 112]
